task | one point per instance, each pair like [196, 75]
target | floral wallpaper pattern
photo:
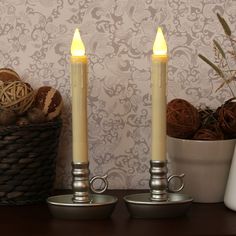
[35, 38]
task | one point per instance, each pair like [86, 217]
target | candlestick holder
[83, 204]
[161, 201]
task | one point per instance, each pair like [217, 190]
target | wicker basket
[27, 162]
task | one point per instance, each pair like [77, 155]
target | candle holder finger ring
[86, 202]
[180, 178]
[103, 179]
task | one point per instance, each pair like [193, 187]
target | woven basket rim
[31, 125]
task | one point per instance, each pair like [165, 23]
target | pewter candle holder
[83, 204]
[161, 201]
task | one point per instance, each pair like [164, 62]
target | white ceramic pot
[205, 164]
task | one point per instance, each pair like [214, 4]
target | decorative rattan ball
[7, 74]
[7, 117]
[227, 118]
[22, 121]
[49, 100]
[36, 115]
[210, 132]
[16, 96]
[182, 119]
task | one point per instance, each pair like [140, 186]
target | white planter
[206, 166]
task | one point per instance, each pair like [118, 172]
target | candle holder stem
[80, 182]
[158, 181]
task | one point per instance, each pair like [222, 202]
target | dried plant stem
[222, 63]
[232, 45]
[230, 74]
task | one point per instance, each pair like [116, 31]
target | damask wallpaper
[35, 38]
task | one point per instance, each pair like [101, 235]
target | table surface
[201, 219]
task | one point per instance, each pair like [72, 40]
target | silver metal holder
[158, 182]
[82, 204]
[161, 201]
[80, 183]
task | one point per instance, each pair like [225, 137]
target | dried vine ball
[210, 132]
[227, 117]
[49, 100]
[36, 116]
[7, 117]
[22, 121]
[182, 119]
[7, 74]
[16, 96]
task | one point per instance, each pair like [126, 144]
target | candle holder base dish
[161, 201]
[100, 207]
[141, 205]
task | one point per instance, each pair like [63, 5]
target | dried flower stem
[228, 75]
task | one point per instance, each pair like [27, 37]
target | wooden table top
[201, 219]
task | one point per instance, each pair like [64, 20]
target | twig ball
[7, 117]
[210, 132]
[35, 115]
[22, 121]
[182, 119]
[7, 74]
[49, 100]
[16, 96]
[227, 117]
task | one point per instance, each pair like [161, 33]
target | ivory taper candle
[79, 100]
[158, 82]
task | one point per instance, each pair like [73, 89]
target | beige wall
[35, 38]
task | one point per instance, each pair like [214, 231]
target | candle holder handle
[103, 179]
[181, 179]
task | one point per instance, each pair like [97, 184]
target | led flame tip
[77, 46]
[159, 46]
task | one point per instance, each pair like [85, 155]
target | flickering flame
[77, 46]
[159, 46]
